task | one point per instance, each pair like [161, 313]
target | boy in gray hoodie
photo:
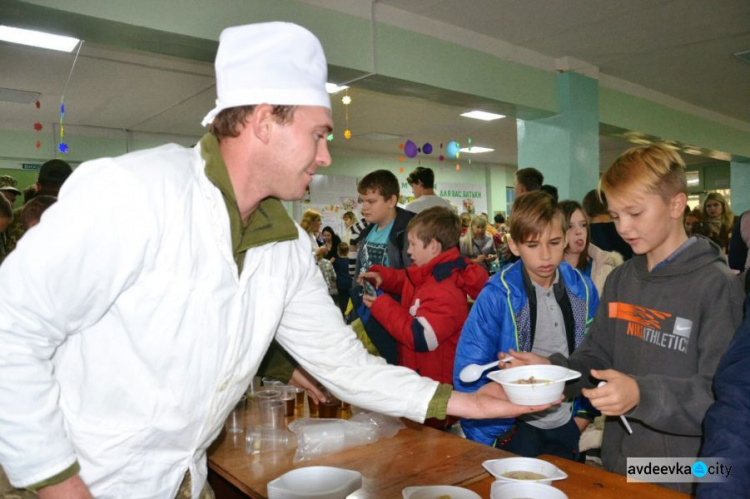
[663, 322]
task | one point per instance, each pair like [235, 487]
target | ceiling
[681, 48]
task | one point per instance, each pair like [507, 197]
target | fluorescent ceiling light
[38, 39]
[332, 88]
[475, 149]
[483, 115]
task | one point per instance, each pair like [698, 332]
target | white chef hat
[269, 63]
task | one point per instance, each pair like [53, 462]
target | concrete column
[739, 182]
[565, 147]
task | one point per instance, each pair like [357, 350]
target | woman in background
[580, 253]
[719, 215]
[332, 242]
[477, 245]
[311, 222]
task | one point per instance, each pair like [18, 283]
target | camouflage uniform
[14, 231]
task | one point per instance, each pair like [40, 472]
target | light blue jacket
[503, 318]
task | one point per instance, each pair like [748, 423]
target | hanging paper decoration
[441, 158]
[401, 170]
[401, 146]
[458, 167]
[346, 101]
[38, 126]
[62, 146]
[410, 149]
[427, 148]
[452, 149]
[401, 159]
[330, 137]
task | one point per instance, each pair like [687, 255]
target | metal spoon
[622, 416]
[473, 372]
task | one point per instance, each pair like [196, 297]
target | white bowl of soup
[534, 385]
[524, 469]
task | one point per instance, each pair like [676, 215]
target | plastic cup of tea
[236, 420]
[289, 397]
[312, 407]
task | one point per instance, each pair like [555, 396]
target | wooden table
[417, 455]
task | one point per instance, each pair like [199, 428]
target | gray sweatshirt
[668, 329]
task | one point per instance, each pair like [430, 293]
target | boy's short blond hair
[532, 213]
[343, 249]
[655, 168]
[437, 223]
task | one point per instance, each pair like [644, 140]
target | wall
[19, 147]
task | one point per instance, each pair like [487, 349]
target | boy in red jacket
[428, 321]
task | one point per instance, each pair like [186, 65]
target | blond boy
[665, 319]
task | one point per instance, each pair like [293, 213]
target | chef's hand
[521, 359]
[71, 488]
[301, 379]
[489, 402]
[617, 397]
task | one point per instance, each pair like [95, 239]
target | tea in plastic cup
[289, 397]
[329, 408]
[312, 407]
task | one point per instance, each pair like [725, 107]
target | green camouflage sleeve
[14, 231]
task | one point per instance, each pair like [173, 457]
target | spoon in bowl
[622, 416]
[473, 372]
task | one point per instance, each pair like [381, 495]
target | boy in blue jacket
[539, 304]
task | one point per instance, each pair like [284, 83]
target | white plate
[529, 490]
[435, 491]
[496, 468]
[315, 482]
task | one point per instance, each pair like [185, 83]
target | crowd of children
[655, 333]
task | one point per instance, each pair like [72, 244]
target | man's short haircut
[655, 169]
[6, 209]
[424, 175]
[499, 218]
[231, 121]
[32, 211]
[531, 178]
[437, 223]
[382, 182]
[532, 213]
[551, 190]
[595, 203]
[53, 174]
